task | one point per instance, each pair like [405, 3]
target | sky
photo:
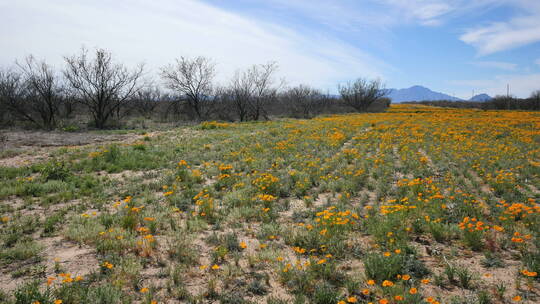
[456, 46]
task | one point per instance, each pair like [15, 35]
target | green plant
[492, 260]
[325, 294]
[181, 250]
[55, 170]
[379, 267]
[465, 277]
[31, 292]
[450, 271]
[483, 297]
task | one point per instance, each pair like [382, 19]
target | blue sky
[453, 46]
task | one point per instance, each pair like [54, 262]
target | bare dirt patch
[72, 258]
[35, 146]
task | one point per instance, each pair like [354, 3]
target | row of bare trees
[33, 93]
[500, 102]
[36, 93]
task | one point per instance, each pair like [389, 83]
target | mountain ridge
[481, 97]
[417, 93]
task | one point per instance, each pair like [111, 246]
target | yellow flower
[351, 299]
[529, 273]
[516, 299]
[203, 267]
[387, 283]
[50, 281]
[215, 267]
[498, 228]
[413, 291]
[144, 290]
[371, 282]
[243, 245]
[57, 301]
[405, 277]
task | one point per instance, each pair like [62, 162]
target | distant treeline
[95, 91]
[497, 103]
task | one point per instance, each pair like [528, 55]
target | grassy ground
[416, 205]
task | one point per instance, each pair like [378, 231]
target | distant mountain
[417, 93]
[481, 97]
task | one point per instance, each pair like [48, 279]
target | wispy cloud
[537, 61]
[518, 31]
[426, 12]
[495, 65]
[502, 36]
[158, 31]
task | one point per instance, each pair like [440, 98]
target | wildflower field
[415, 205]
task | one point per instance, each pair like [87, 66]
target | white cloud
[502, 36]
[381, 14]
[496, 65]
[521, 29]
[158, 31]
[426, 12]
[520, 85]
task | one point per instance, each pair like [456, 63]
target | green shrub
[55, 170]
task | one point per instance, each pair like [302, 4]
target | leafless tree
[101, 84]
[241, 93]
[361, 93]
[192, 79]
[146, 100]
[535, 100]
[304, 101]
[250, 91]
[225, 104]
[265, 88]
[44, 91]
[503, 102]
[13, 97]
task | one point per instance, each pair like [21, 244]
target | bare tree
[192, 78]
[241, 93]
[101, 84]
[264, 88]
[304, 101]
[146, 100]
[250, 91]
[535, 100]
[361, 93]
[44, 91]
[502, 102]
[13, 95]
